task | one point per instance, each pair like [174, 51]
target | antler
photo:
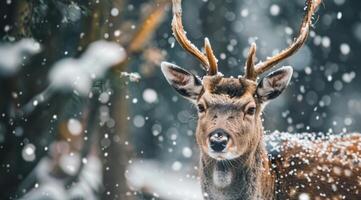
[250, 71]
[208, 60]
[253, 71]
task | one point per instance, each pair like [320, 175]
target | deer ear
[184, 82]
[274, 83]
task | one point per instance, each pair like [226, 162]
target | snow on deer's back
[315, 165]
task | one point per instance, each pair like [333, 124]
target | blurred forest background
[85, 112]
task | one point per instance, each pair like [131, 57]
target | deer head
[229, 109]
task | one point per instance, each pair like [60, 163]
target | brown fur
[226, 111]
[331, 164]
[327, 168]
[226, 101]
[230, 107]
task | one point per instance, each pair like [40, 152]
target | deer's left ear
[274, 84]
[185, 83]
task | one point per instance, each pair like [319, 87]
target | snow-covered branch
[79, 74]
[13, 55]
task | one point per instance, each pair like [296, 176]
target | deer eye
[251, 110]
[201, 108]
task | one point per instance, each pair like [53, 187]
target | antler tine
[312, 5]
[209, 61]
[249, 68]
[212, 60]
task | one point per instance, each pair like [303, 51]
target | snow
[323, 95]
[275, 10]
[244, 12]
[187, 152]
[50, 187]
[13, 55]
[348, 77]
[345, 49]
[70, 163]
[326, 42]
[74, 126]
[151, 177]
[28, 152]
[138, 121]
[304, 196]
[176, 166]
[150, 95]
[79, 74]
[133, 76]
[114, 12]
[339, 15]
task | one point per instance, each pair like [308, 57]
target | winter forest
[87, 111]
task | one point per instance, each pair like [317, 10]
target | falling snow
[86, 113]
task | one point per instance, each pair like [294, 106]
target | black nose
[218, 140]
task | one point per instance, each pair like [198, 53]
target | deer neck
[245, 178]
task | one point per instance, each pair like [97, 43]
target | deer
[237, 161]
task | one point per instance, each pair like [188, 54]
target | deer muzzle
[218, 140]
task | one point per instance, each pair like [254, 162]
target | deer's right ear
[184, 82]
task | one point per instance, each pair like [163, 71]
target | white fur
[222, 179]
[226, 155]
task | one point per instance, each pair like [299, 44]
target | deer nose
[218, 140]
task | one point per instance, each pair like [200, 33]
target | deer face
[229, 109]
